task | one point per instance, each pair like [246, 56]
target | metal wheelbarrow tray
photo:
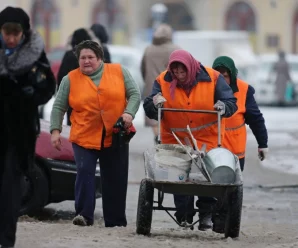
[229, 198]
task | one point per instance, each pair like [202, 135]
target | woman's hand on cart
[158, 100]
[220, 106]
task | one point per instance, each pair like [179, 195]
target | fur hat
[15, 15]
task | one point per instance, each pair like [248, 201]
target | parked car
[262, 78]
[53, 178]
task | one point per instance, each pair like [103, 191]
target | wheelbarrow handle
[190, 111]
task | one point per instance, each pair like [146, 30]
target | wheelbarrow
[229, 195]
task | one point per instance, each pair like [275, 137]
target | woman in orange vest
[248, 113]
[99, 94]
[187, 84]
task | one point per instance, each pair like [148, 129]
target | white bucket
[171, 166]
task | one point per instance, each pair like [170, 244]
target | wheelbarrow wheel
[233, 218]
[145, 207]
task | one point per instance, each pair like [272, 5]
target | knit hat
[228, 63]
[15, 15]
[78, 36]
[100, 32]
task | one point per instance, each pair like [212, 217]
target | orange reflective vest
[96, 108]
[203, 126]
[235, 136]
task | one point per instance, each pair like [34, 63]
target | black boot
[205, 221]
[206, 206]
[219, 222]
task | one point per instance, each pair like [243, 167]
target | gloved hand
[158, 100]
[262, 153]
[220, 106]
[121, 134]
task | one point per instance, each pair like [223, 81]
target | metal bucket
[221, 165]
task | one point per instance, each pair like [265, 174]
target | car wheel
[35, 191]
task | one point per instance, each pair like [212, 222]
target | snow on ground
[282, 125]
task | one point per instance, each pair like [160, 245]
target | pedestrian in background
[99, 94]
[282, 71]
[154, 61]
[102, 34]
[26, 81]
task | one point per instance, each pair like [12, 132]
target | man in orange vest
[187, 84]
[248, 113]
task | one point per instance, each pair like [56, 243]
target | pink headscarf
[192, 66]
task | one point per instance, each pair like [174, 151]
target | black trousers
[114, 179]
[10, 195]
[242, 162]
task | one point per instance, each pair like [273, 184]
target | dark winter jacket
[254, 119]
[253, 116]
[223, 92]
[102, 34]
[26, 81]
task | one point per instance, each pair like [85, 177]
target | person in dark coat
[101, 33]
[69, 61]
[248, 113]
[282, 71]
[26, 81]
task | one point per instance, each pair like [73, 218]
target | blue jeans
[114, 179]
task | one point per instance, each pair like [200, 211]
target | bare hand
[55, 140]
[127, 118]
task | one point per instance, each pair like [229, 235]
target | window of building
[241, 16]
[272, 41]
[109, 14]
[179, 17]
[46, 19]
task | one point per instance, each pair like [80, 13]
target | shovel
[203, 167]
[193, 157]
[180, 143]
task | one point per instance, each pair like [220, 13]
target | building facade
[272, 24]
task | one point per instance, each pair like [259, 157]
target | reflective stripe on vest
[235, 128]
[235, 137]
[242, 154]
[194, 128]
[201, 97]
